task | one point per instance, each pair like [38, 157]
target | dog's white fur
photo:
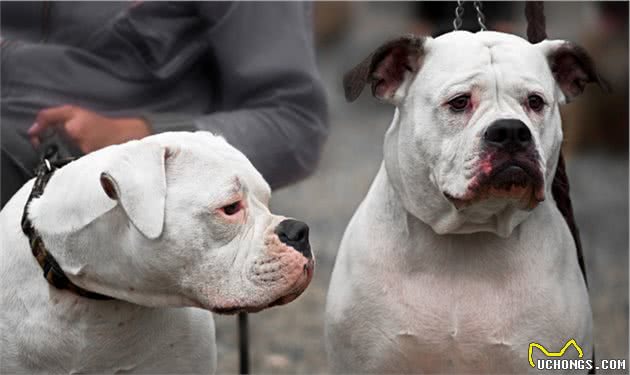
[161, 244]
[420, 286]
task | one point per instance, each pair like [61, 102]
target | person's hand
[88, 130]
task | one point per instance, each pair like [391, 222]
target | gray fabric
[242, 70]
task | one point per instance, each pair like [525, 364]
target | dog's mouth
[517, 178]
[293, 292]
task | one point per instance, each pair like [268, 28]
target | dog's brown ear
[572, 67]
[386, 68]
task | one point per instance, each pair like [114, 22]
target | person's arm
[274, 108]
[271, 100]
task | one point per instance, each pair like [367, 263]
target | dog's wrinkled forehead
[211, 158]
[502, 59]
[483, 57]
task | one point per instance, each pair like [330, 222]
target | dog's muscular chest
[455, 326]
[441, 322]
[50, 331]
[472, 303]
[71, 334]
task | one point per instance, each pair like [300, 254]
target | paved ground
[290, 339]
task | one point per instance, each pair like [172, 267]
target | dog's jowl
[458, 257]
[130, 237]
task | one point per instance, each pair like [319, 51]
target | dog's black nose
[508, 134]
[295, 234]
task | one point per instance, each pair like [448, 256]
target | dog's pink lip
[294, 292]
[505, 176]
[299, 286]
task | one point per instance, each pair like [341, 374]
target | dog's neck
[106, 257]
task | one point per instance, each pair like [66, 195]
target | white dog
[458, 258]
[173, 220]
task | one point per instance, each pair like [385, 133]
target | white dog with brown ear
[458, 258]
[174, 220]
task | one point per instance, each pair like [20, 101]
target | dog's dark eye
[232, 209]
[535, 103]
[460, 103]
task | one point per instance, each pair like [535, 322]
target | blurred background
[290, 339]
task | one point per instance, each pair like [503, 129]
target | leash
[536, 32]
[459, 14]
[52, 271]
[243, 343]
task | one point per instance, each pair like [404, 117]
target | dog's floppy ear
[131, 173]
[572, 67]
[385, 69]
[137, 180]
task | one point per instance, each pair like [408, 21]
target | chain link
[481, 19]
[459, 13]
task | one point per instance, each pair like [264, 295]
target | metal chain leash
[481, 19]
[459, 13]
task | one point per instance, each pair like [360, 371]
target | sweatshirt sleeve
[273, 106]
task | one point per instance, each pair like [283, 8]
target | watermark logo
[554, 362]
[552, 354]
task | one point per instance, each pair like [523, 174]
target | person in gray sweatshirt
[85, 75]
